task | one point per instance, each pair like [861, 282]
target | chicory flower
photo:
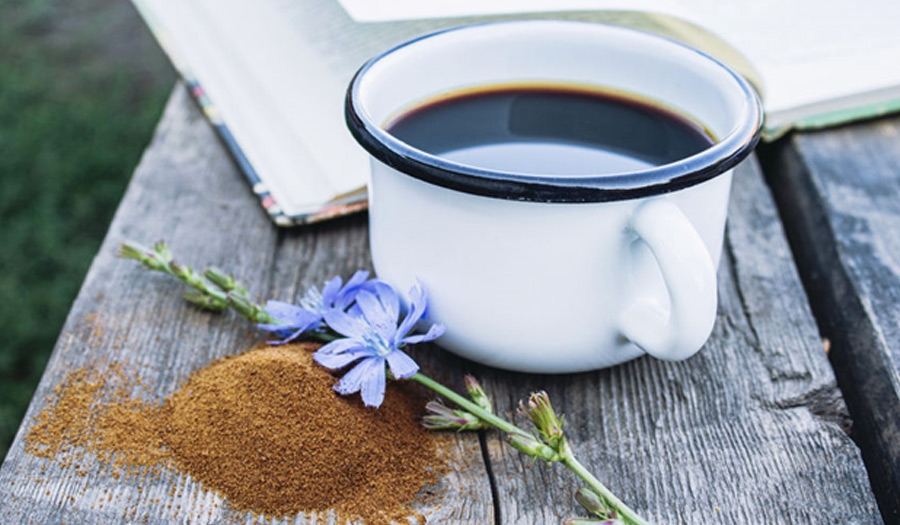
[374, 335]
[292, 321]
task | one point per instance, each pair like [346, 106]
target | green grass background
[82, 84]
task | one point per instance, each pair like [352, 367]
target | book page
[343, 43]
[280, 103]
[812, 55]
[393, 10]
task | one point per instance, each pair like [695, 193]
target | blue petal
[293, 321]
[288, 314]
[283, 329]
[433, 333]
[346, 324]
[351, 383]
[347, 295]
[340, 346]
[402, 366]
[371, 286]
[330, 291]
[355, 311]
[337, 361]
[356, 280]
[375, 315]
[288, 339]
[374, 383]
[365, 376]
[370, 307]
[418, 302]
[389, 299]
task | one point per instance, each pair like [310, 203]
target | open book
[271, 75]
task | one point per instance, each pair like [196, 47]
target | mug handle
[690, 280]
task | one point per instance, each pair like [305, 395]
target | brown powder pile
[95, 409]
[264, 429]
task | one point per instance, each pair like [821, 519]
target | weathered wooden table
[753, 429]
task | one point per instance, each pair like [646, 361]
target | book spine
[214, 117]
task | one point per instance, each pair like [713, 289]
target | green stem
[628, 515]
[469, 406]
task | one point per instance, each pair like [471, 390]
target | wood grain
[839, 192]
[188, 192]
[747, 431]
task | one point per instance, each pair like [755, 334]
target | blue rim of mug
[720, 157]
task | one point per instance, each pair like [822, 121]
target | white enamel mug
[548, 273]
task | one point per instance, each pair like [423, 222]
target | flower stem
[628, 516]
[215, 290]
[568, 459]
[488, 417]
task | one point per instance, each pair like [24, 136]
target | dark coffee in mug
[550, 129]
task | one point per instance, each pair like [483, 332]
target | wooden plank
[839, 193]
[187, 192]
[748, 431]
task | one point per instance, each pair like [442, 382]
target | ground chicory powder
[264, 429]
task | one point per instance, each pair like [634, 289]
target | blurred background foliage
[82, 84]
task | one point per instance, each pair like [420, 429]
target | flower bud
[205, 301]
[441, 417]
[185, 273]
[540, 412]
[242, 305]
[477, 394]
[130, 250]
[162, 252]
[223, 280]
[220, 278]
[593, 503]
[150, 259]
